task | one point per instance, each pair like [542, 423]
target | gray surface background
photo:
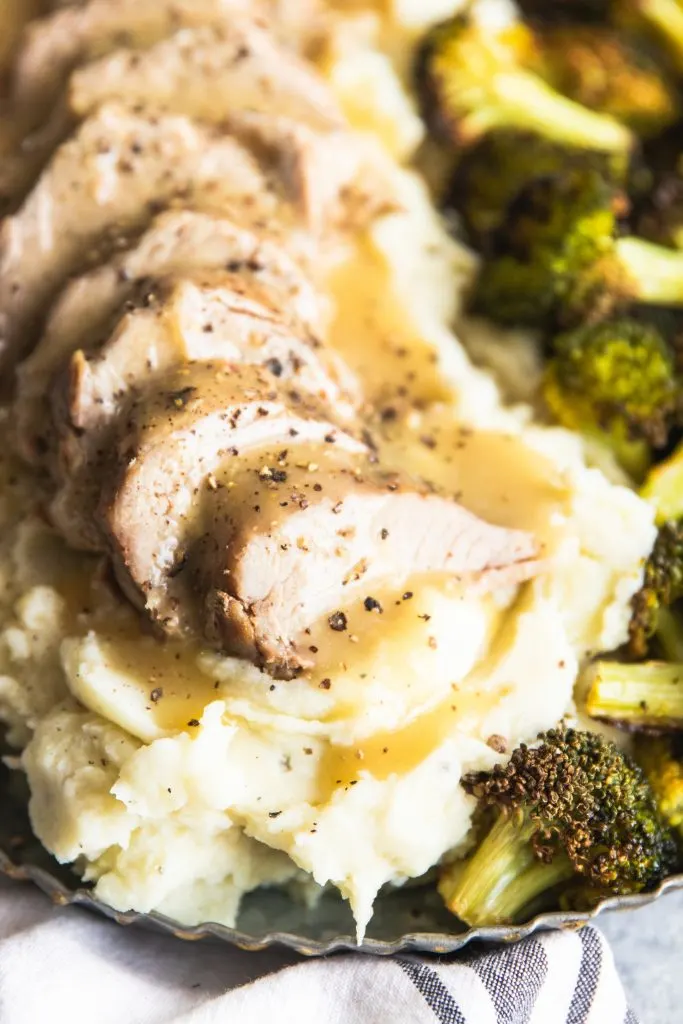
[648, 949]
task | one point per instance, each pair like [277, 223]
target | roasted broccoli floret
[494, 170]
[473, 80]
[662, 586]
[616, 381]
[645, 695]
[660, 20]
[573, 810]
[661, 758]
[604, 70]
[558, 259]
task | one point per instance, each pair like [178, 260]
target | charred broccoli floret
[492, 172]
[661, 20]
[573, 810]
[602, 69]
[661, 759]
[662, 586]
[617, 381]
[558, 259]
[473, 80]
[645, 695]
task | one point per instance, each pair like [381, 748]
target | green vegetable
[616, 381]
[473, 80]
[662, 586]
[640, 696]
[662, 761]
[493, 171]
[605, 70]
[572, 811]
[558, 257]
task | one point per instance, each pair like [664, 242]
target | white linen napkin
[68, 965]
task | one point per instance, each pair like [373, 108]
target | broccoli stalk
[663, 18]
[504, 876]
[641, 696]
[573, 810]
[473, 80]
[558, 257]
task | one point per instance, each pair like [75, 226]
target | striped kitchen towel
[63, 964]
[555, 978]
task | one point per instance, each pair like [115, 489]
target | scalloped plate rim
[424, 942]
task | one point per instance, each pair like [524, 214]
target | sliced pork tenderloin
[112, 177]
[275, 541]
[178, 242]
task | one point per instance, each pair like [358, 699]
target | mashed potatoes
[178, 780]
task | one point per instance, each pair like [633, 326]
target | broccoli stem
[524, 101]
[657, 272]
[647, 694]
[666, 17]
[664, 488]
[502, 876]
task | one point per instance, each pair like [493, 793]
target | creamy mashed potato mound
[179, 780]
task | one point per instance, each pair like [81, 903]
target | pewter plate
[412, 919]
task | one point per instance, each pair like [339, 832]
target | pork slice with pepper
[272, 541]
[179, 242]
[113, 176]
[205, 73]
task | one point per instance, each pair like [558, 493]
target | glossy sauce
[394, 364]
[174, 689]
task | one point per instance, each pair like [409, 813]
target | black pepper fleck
[338, 622]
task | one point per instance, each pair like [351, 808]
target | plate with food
[341, 488]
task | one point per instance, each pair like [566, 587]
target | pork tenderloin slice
[205, 73]
[178, 242]
[209, 72]
[180, 321]
[282, 541]
[177, 435]
[335, 178]
[53, 46]
[112, 177]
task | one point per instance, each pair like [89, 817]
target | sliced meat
[176, 437]
[54, 46]
[335, 177]
[178, 242]
[283, 541]
[175, 321]
[112, 177]
[206, 73]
